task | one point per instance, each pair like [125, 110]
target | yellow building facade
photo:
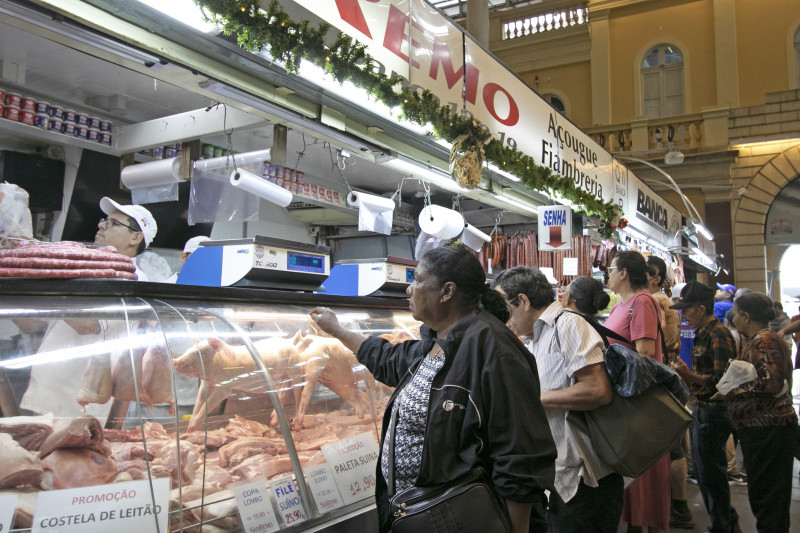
[716, 80]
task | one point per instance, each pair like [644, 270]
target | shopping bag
[631, 434]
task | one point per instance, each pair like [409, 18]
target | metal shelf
[51, 137]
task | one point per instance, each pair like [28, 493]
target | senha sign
[555, 227]
[413, 40]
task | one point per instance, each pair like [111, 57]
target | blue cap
[727, 287]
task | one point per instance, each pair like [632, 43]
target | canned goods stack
[164, 152]
[295, 181]
[42, 114]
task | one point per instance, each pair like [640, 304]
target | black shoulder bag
[468, 504]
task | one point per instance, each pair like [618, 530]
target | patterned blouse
[767, 400]
[412, 419]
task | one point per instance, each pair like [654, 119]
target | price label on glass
[8, 502]
[288, 500]
[353, 461]
[320, 481]
[255, 509]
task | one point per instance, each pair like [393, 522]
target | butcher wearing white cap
[191, 245]
[128, 228]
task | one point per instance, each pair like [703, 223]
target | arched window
[556, 102]
[662, 82]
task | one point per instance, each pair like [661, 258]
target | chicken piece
[97, 384]
[223, 368]
[19, 467]
[82, 432]
[80, 467]
[29, 431]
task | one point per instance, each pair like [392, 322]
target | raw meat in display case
[207, 399]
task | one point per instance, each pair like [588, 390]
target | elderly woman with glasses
[466, 358]
[636, 317]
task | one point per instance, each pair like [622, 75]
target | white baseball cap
[194, 243]
[676, 290]
[142, 216]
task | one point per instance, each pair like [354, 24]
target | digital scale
[373, 277]
[257, 262]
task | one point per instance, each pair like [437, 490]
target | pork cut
[79, 467]
[29, 431]
[18, 467]
[240, 449]
[84, 431]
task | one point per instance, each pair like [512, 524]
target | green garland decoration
[347, 60]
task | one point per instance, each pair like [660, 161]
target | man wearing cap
[191, 245]
[713, 347]
[723, 300]
[128, 228]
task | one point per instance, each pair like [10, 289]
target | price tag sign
[570, 266]
[8, 502]
[353, 461]
[326, 495]
[255, 509]
[288, 500]
[118, 507]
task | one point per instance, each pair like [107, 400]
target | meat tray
[211, 395]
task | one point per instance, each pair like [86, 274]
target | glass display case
[229, 412]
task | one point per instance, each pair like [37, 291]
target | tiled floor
[742, 506]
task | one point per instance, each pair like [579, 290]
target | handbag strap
[390, 450]
[659, 333]
[604, 332]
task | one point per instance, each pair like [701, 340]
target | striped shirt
[558, 357]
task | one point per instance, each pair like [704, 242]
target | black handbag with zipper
[468, 504]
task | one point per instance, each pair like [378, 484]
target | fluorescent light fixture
[185, 11]
[702, 230]
[82, 34]
[246, 158]
[699, 257]
[279, 113]
[436, 177]
[515, 203]
[495, 168]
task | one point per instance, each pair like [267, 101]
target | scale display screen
[409, 275]
[300, 262]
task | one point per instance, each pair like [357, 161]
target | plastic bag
[737, 373]
[15, 216]
[632, 373]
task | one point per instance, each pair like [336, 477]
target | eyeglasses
[512, 301]
[115, 222]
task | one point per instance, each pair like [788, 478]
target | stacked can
[11, 109]
[27, 110]
[2, 101]
[68, 120]
[105, 132]
[56, 114]
[41, 119]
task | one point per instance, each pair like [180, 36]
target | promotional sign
[122, 507]
[353, 461]
[412, 39]
[255, 509]
[646, 211]
[8, 502]
[555, 227]
[289, 506]
[320, 481]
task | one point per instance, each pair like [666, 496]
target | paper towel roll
[246, 158]
[374, 212]
[153, 174]
[441, 222]
[474, 238]
[249, 182]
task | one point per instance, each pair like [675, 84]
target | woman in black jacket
[467, 392]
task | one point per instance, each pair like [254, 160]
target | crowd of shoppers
[518, 359]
